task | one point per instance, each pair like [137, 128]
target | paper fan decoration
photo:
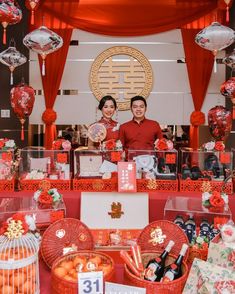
[97, 132]
[63, 236]
[157, 235]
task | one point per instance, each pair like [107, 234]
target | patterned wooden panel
[124, 78]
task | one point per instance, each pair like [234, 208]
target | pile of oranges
[21, 280]
[72, 264]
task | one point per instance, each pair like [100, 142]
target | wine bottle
[155, 267]
[190, 228]
[174, 270]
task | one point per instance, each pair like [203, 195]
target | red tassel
[227, 14]
[22, 133]
[32, 17]
[234, 112]
[4, 37]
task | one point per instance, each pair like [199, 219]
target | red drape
[51, 82]
[199, 65]
[124, 17]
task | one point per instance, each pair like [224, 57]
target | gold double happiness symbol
[122, 72]
[44, 185]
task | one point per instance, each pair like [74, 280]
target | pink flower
[66, 145]
[170, 144]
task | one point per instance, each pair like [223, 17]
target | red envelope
[170, 158]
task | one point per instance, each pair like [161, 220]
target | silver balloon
[12, 58]
[230, 60]
[215, 37]
[43, 41]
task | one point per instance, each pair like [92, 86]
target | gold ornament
[206, 187]
[122, 79]
[157, 236]
[15, 229]
[152, 184]
[97, 185]
[116, 210]
[44, 185]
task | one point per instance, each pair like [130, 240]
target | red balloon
[220, 122]
[227, 89]
[22, 100]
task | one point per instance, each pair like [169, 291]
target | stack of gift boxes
[217, 274]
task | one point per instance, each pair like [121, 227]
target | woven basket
[60, 285]
[175, 286]
[65, 233]
[169, 231]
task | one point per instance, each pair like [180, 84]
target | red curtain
[51, 82]
[123, 17]
[199, 65]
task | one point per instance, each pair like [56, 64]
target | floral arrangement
[214, 146]
[6, 144]
[200, 242]
[18, 225]
[214, 201]
[47, 198]
[163, 144]
[61, 144]
[112, 145]
[35, 175]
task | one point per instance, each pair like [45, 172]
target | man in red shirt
[140, 133]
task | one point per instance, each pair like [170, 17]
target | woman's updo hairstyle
[107, 98]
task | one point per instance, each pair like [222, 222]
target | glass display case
[7, 171]
[37, 164]
[27, 205]
[191, 207]
[155, 170]
[199, 166]
[95, 170]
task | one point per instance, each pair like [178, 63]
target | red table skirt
[72, 199]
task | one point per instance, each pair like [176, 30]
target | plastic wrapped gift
[19, 268]
[209, 164]
[207, 278]
[37, 164]
[222, 248]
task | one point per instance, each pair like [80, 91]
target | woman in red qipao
[108, 107]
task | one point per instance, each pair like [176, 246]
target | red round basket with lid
[153, 240]
[64, 236]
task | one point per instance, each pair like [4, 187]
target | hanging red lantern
[227, 89]
[9, 14]
[32, 5]
[219, 122]
[22, 100]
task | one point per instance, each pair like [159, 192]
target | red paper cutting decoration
[22, 101]
[9, 14]
[32, 5]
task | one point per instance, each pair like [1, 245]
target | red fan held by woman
[22, 100]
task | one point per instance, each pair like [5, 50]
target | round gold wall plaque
[127, 75]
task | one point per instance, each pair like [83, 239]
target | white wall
[170, 101]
